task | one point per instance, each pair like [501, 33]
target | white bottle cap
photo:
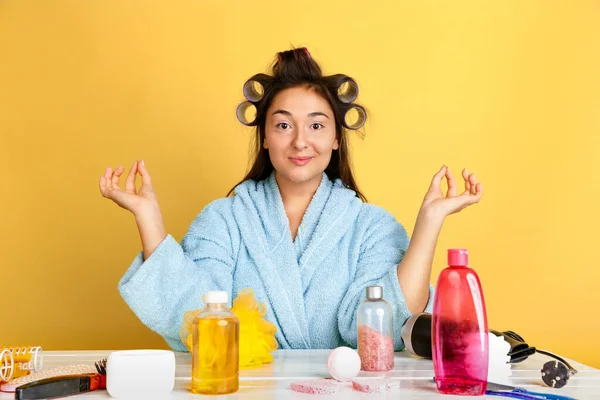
[215, 297]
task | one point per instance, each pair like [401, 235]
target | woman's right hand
[138, 201]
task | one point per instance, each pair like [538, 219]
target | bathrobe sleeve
[382, 247]
[174, 278]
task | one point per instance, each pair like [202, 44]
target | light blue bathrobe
[312, 285]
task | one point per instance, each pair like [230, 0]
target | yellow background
[509, 89]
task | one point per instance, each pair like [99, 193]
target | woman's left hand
[436, 203]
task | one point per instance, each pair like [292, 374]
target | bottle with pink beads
[459, 330]
[375, 324]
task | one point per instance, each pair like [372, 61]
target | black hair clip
[555, 373]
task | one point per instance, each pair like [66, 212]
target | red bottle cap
[458, 257]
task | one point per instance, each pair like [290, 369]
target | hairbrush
[65, 385]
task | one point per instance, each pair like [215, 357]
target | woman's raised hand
[443, 205]
[138, 201]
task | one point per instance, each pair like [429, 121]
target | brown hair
[294, 68]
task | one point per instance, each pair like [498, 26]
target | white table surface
[272, 381]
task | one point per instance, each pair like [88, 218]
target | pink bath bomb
[343, 364]
[315, 386]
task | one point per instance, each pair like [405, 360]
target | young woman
[297, 229]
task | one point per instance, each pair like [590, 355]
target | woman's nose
[300, 142]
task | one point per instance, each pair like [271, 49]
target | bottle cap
[458, 257]
[374, 292]
[215, 297]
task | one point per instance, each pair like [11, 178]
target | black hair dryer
[416, 335]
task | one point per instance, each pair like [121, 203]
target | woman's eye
[283, 125]
[317, 126]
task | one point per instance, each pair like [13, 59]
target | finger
[116, 177]
[436, 181]
[451, 183]
[108, 176]
[465, 175]
[106, 188]
[476, 195]
[473, 183]
[130, 182]
[144, 173]
[102, 185]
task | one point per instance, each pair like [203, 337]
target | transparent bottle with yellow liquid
[215, 351]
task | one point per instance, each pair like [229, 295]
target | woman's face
[300, 135]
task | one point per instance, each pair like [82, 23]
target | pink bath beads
[343, 364]
[374, 385]
[315, 386]
[376, 350]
